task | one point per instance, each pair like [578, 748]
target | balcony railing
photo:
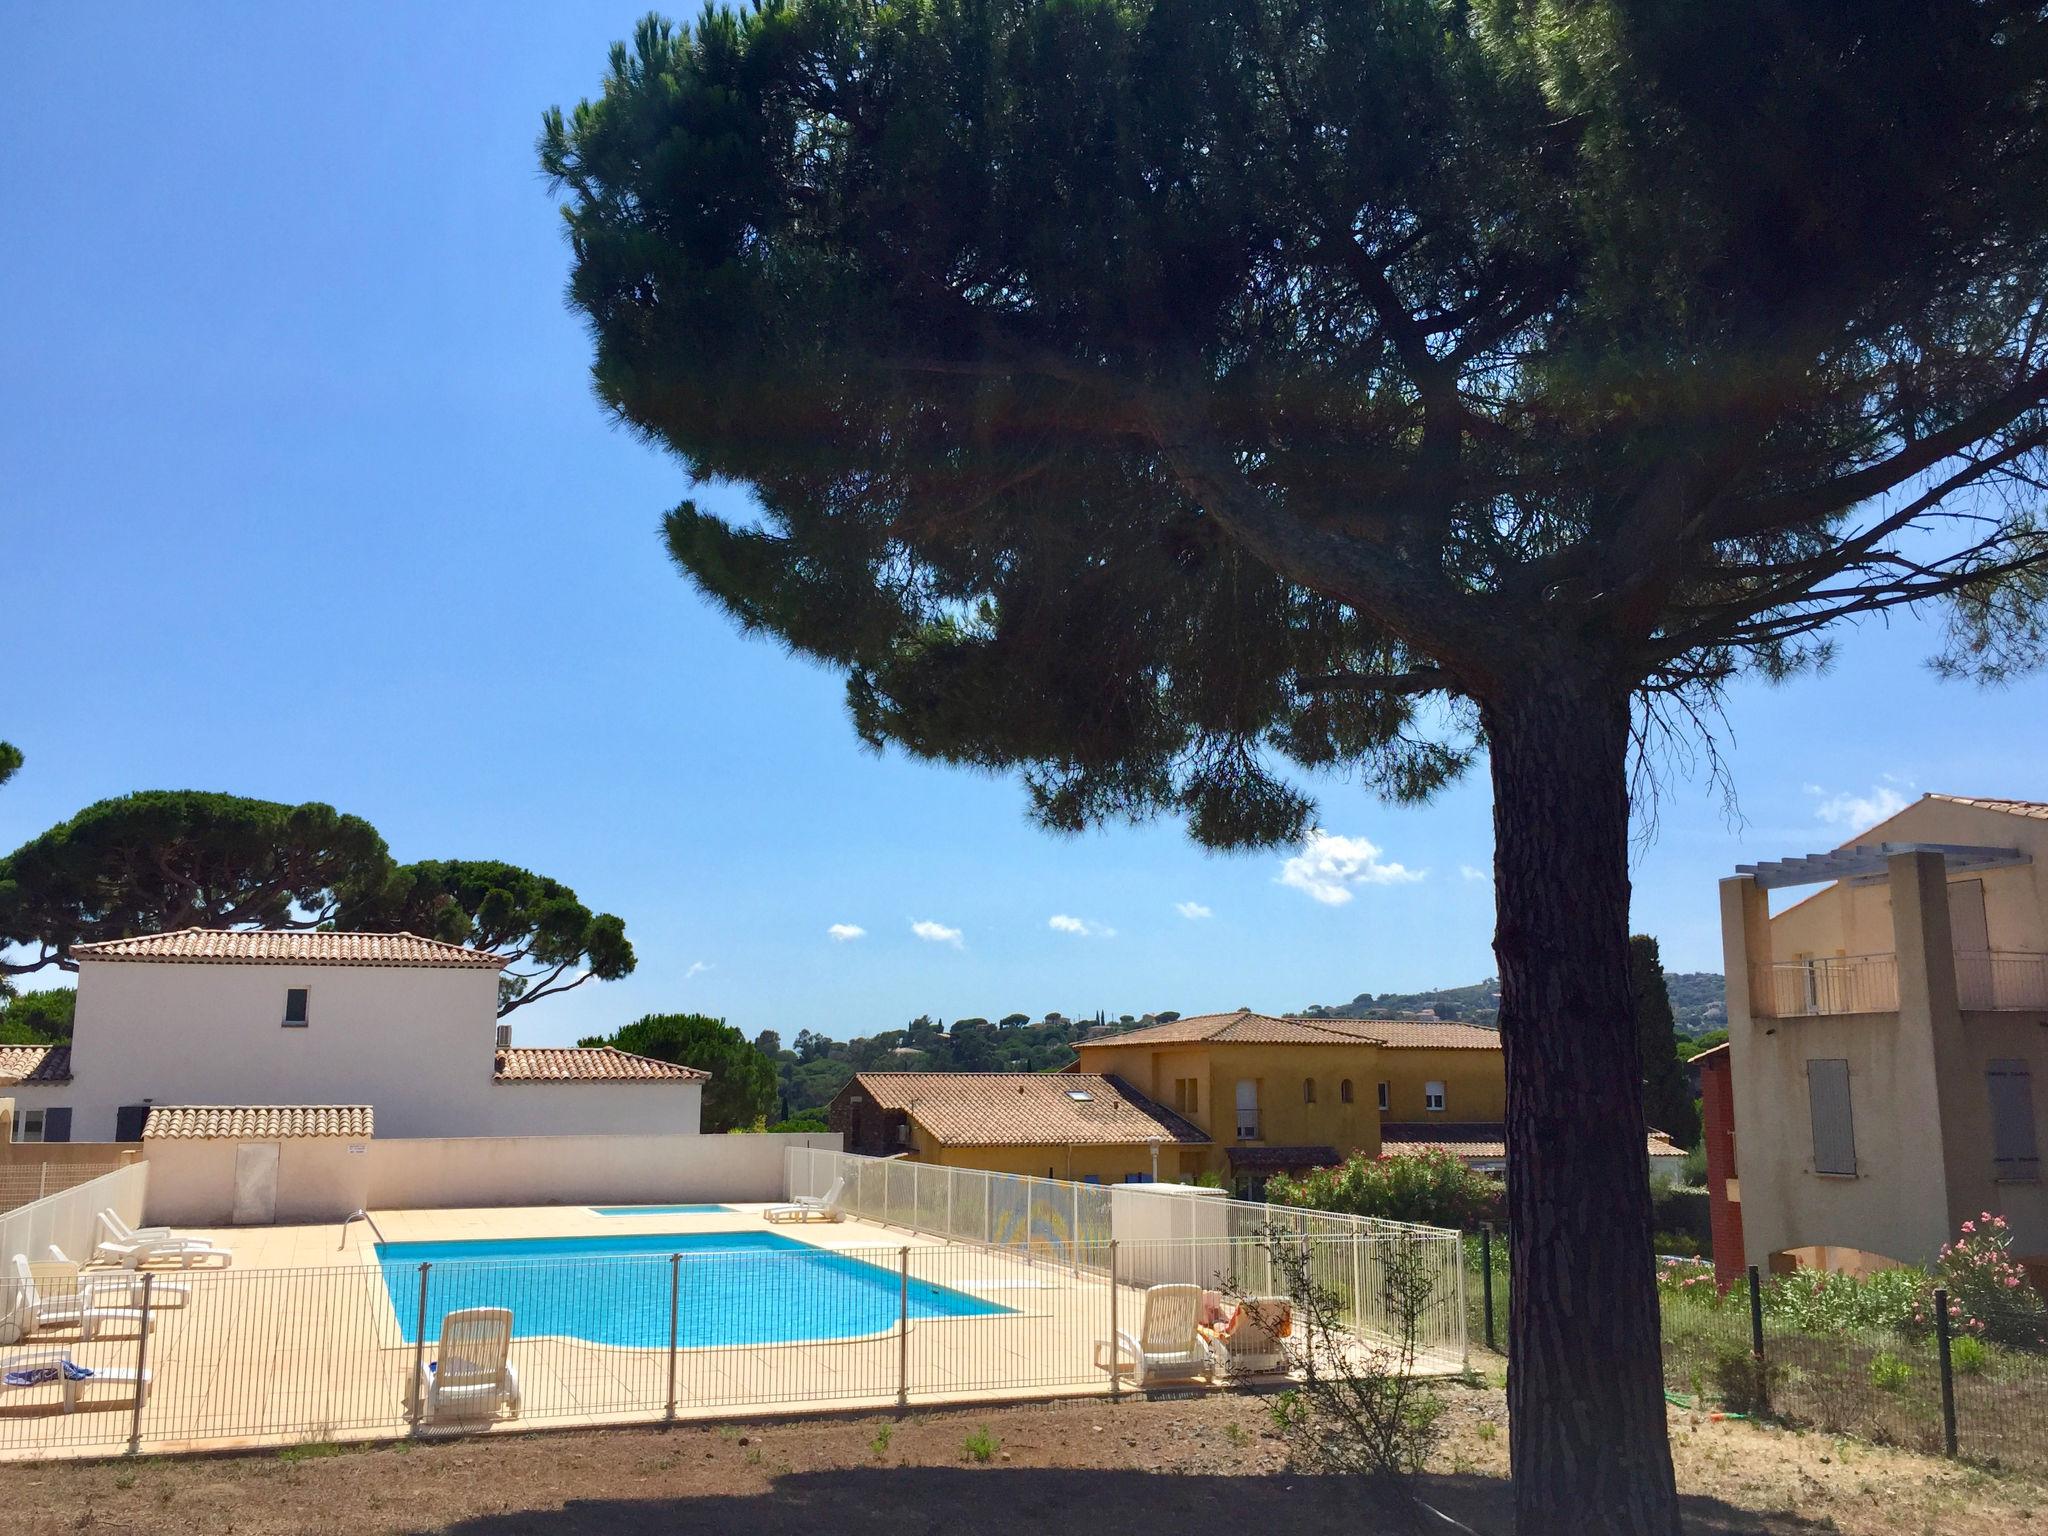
[1986, 981]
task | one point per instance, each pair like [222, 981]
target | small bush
[1988, 1294]
[1431, 1187]
[1744, 1383]
[1969, 1355]
[981, 1446]
[1679, 1244]
[880, 1444]
[1888, 1373]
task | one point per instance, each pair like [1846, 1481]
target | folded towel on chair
[39, 1375]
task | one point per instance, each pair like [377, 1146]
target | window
[1834, 1124]
[1433, 1096]
[1247, 1110]
[1308, 1090]
[28, 1125]
[902, 1133]
[42, 1124]
[1186, 1091]
[2015, 1153]
[1384, 1096]
[1080, 1096]
[295, 1007]
[1344, 1091]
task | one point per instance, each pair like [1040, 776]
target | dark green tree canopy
[38, 1018]
[529, 919]
[1146, 396]
[741, 1093]
[168, 859]
[1667, 1096]
[10, 761]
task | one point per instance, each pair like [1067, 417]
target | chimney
[504, 1037]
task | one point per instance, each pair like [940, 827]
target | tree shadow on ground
[1003, 1501]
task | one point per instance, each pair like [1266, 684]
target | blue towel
[41, 1375]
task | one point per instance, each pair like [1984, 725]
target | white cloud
[1474, 872]
[697, 968]
[1080, 926]
[938, 933]
[1851, 810]
[1329, 866]
[844, 931]
[1193, 911]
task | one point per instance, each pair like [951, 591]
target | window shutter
[1834, 1125]
[57, 1124]
[2013, 1147]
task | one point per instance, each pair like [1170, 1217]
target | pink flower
[1969, 1226]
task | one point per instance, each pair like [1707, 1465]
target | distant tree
[1706, 1042]
[1667, 1098]
[527, 918]
[810, 1046]
[1167, 1016]
[974, 1046]
[768, 1043]
[810, 1120]
[1014, 1020]
[168, 859]
[38, 1018]
[10, 761]
[741, 1092]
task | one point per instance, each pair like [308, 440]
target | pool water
[659, 1210]
[731, 1288]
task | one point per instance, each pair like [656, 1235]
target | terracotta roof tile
[269, 946]
[257, 1122]
[1010, 1109]
[2036, 809]
[586, 1064]
[1247, 1028]
[34, 1064]
[1482, 1140]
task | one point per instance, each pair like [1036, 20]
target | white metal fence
[1161, 1234]
[21, 1183]
[68, 1220]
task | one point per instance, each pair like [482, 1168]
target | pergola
[1869, 861]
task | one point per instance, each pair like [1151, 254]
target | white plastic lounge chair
[123, 1287]
[470, 1375]
[87, 1311]
[45, 1367]
[823, 1207]
[1247, 1339]
[1167, 1344]
[136, 1250]
[129, 1234]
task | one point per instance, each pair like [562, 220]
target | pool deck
[298, 1341]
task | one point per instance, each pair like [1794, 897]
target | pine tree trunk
[1589, 1448]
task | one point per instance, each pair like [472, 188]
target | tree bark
[1590, 1451]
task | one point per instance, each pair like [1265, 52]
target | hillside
[1697, 999]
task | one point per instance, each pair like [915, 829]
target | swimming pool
[659, 1210]
[731, 1288]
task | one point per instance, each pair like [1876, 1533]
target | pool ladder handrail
[357, 1215]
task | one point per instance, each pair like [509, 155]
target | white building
[402, 1025]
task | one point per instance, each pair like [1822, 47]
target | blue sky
[303, 495]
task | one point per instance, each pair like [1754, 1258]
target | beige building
[1884, 1046]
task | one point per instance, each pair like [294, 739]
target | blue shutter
[2015, 1153]
[57, 1124]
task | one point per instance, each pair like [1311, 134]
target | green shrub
[980, 1446]
[1432, 1187]
[1679, 1244]
[1816, 1301]
[1744, 1383]
[1988, 1294]
[1888, 1373]
[1969, 1355]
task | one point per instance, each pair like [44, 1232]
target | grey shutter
[2013, 1148]
[1834, 1126]
[57, 1125]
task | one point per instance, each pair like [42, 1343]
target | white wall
[415, 1042]
[192, 1183]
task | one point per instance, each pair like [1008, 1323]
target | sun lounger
[1247, 1339]
[1167, 1344]
[47, 1367]
[131, 1249]
[823, 1207]
[123, 1287]
[470, 1376]
[87, 1310]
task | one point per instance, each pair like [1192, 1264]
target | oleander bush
[1431, 1187]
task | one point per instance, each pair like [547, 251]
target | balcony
[1991, 981]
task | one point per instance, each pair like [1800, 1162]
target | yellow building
[1275, 1094]
[1058, 1125]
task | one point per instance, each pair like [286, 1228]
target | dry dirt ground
[1195, 1467]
